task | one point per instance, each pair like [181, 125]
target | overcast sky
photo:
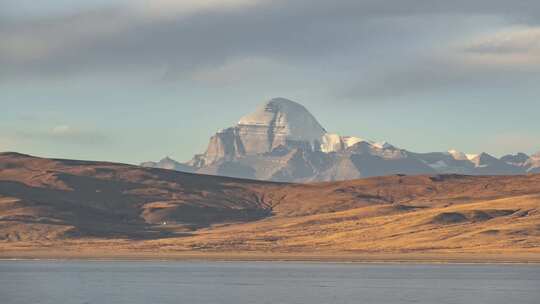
[137, 80]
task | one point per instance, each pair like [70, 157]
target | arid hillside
[50, 199]
[48, 204]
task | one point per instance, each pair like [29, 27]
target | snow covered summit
[278, 122]
[282, 141]
[285, 119]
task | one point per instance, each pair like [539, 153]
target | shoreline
[394, 258]
[374, 262]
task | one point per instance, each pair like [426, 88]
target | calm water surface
[54, 282]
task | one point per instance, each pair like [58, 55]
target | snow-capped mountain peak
[519, 159]
[286, 119]
[383, 145]
[481, 159]
[457, 155]
[282, 141]
[471, 157]
[168, 163]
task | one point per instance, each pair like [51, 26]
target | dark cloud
[298, 32]
[430, 75]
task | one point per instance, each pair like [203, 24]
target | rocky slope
[282, 141]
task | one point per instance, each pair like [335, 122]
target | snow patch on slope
[457, 155]
[471, 157]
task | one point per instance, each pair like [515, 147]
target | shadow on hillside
[104, 209]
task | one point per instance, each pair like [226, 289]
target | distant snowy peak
[471, 157]
[168, 163]
[350, 141]
[280, 122]
[383, 145]
[457, 155]
[482, 160]
[277, 124]
[285, 118]
[533, 164]
[519, 159]
[282, 141]
[335, 143]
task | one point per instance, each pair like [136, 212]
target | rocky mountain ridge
[283, 141]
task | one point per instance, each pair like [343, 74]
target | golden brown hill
[101, 207]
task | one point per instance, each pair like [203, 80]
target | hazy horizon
[131, 81]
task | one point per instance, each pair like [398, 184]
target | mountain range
[282, 141]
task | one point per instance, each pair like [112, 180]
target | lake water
[55, 282]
